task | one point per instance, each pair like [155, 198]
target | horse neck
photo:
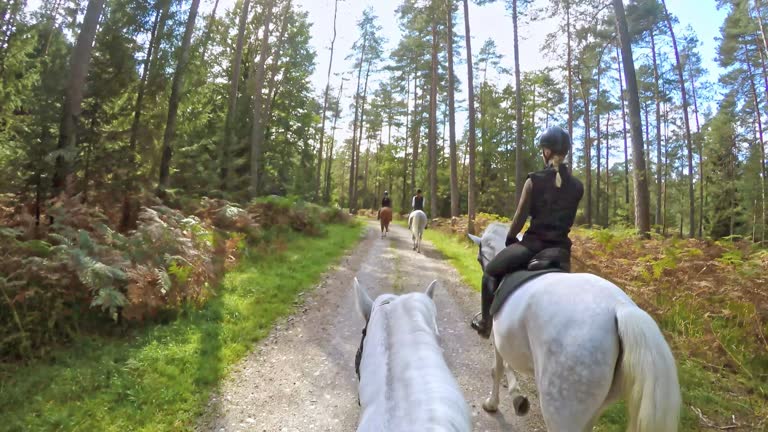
[411, 377]
[398, 334]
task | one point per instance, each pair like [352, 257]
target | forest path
[302, 378]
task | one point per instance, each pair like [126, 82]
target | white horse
[587, 345]
[405, 384]
[417, 221]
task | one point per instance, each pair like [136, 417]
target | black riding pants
[512, 258]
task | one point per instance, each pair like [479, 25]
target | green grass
[461, 253]
[161, 377]
[713, 393]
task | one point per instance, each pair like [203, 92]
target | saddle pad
[512, 282]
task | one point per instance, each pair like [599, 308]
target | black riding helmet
[556, 140]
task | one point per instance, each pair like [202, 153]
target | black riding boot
[484, 324]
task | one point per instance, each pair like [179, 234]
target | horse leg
[413, 237]
[492, 403]
[519, 402]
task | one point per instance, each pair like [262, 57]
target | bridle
[359, 354]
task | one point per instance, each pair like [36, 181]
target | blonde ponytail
[556, 161]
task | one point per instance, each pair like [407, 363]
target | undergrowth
[80, 275]
[161, 377]
[708, 298]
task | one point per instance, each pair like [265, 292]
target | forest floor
[302, 377]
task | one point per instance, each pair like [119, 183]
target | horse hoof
[521, 404]
[491, 405]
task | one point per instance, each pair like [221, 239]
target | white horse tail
[648, 373]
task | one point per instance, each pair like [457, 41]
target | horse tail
[648, 373]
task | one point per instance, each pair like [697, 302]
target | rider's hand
[511, 239]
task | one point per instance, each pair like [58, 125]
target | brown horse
[385, 217]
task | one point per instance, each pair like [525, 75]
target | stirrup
[484, 332]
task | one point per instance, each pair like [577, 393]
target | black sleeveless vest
[553, 209]
[386, 202]
[418, 203]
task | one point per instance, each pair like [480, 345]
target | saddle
[551, 260]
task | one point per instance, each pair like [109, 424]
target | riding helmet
[556, 140]
[386, 192]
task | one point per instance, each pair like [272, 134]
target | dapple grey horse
[587, 345]
[405, 384]
[417, 221]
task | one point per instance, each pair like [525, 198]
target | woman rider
[550, 197]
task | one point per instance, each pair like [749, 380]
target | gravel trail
[302, 378]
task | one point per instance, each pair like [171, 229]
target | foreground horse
[405, 384]
[587, 346]
[385, 217]
[417, 221]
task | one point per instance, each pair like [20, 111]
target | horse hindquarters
[647, 373]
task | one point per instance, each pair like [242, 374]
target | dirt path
[302, 378]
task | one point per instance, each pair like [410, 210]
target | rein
[359, 355]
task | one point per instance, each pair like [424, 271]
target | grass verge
[163, 376]
[720, 393]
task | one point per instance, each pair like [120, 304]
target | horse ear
[430, 292]
[474, 238]
[364, 302]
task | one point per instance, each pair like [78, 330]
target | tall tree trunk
[208, 29]
[325, 97]
[471, 193]
[689, 144]
[353, 198]
[657, 97]
[229, 126]
[761, 143]
[257, 131]
[433, 125]
[81, 58]
[354, 121]
[125, 221]
[624, 129]
[607, 219]
[519, 175]
[759, 19]
[273, 86]
[175, 99]
[416, 130]
[597, 132]
[570, 76]
[700, 150]
[455, 199]
[585, 94]
[642, 200]
[329, 158]
[404, 202]
[666, 162]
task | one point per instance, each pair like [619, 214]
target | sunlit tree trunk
[689, 144]
[433, 126]
[471, 194]
[452, 117]
[325, 98]
[657, 98]
[81, 58]
[173, 103]
[125, 221]
[519, 175]
[257, 130]
[642, 213]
